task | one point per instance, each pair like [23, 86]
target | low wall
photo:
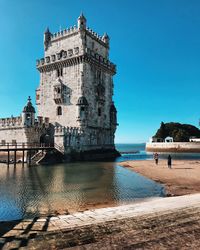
[187, 147]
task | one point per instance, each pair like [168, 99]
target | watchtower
[76, 87]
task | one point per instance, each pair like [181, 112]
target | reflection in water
[31, 191]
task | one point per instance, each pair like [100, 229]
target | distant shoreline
[173, 147]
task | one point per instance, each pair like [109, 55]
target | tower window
[82, 109]
[59, 110]
[99, 111]
[59, 72]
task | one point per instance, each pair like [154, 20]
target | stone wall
[20, 135]
[190, 147]
[71, 80]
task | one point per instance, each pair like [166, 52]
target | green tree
[181, 136]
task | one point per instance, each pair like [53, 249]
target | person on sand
[169, 161]
[156, 158]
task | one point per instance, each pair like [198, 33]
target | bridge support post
[23, 158]
[8, 160]
[15, 158]
[29, 157]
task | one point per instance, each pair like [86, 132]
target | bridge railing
[25, 145]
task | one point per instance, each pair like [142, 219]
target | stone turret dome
[82, 101]
[105, 35]
[47, 30]
[82, 16]
[106, 38]
[29, 107]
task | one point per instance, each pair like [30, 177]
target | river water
[26, 192]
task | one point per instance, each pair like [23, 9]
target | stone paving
[115, 226]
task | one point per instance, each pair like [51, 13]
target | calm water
[32, 191]
[143, 155]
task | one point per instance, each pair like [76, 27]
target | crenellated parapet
[96, 58]
[73, 30]
[17, 122]
[73, 57]
[97, 37]
[59, 57]
[61, 130]
[11, 122]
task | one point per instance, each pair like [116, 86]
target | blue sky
[155, 44]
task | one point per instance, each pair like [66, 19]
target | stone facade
[76, 112]
[76, 88]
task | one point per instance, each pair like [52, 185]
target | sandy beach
[183, 178]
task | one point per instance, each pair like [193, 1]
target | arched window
[59, 110]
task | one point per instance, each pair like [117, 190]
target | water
[141, 154]
[33, 191]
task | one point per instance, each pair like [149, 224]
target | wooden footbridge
[27, 150]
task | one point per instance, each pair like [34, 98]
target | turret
[82, 22]
[28, 114]
[82, 109]
[106, 38]
[47, 38]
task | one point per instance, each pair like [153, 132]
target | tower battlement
[72, 56]
[73, 30]
[11, 122]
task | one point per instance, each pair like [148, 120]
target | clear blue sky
[155, 44]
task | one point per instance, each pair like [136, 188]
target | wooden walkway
[29, 148]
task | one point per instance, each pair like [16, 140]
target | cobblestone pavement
[167, 223]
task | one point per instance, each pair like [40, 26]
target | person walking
[169, 161]
[156, 158]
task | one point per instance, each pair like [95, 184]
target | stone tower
[76, 88]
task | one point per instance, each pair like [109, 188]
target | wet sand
[183, 178]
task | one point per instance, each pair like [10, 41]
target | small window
[59, 72]
[82, 109]
[58, 90]
[99, 111]
[59, 111]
